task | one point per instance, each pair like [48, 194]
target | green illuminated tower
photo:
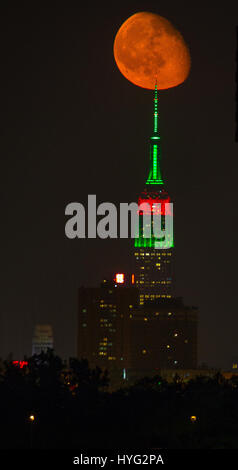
[155, 177]
[153, 273]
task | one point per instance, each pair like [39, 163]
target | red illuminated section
[120, 278]
[164, 209]
[20, 364]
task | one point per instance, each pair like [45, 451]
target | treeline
[47, 405]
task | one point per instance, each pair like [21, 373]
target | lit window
[120, 278]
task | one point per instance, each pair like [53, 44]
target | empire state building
[154, 266]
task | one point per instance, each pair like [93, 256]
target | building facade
[42, 339]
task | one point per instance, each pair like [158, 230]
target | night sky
[72, 125]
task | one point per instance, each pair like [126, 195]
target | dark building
[140, 329]
[163, 336]
[132, 341]
[103, 330]
[153, 264]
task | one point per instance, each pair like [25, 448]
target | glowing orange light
[133, 278]
[32, 418]
[120, 278]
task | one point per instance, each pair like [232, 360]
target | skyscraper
[153, 271]
[163, 336]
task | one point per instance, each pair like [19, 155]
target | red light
[21, 364]
[151, 201]
[120, 278]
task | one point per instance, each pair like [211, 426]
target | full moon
[149, 49]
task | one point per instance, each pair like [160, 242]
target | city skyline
[74, 127]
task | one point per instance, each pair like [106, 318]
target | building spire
[156, 109]
[154, 169]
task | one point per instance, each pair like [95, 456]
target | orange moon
[147, 47]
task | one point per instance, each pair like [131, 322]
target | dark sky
[72, 125]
